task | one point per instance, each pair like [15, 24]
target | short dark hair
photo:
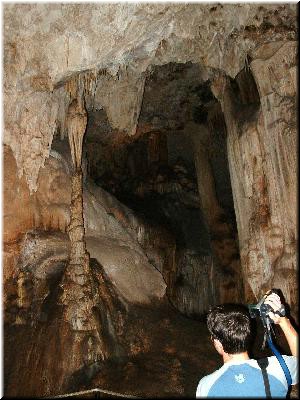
[231, 325]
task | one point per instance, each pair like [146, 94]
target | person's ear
[218, 346]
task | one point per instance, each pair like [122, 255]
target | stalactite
[71, 87]
[76, 123]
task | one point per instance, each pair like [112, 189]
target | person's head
[229, 325]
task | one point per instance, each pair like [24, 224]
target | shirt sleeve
[292, 364]
[205, 384]
[199, 389]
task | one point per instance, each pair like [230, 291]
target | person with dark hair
[240, 376]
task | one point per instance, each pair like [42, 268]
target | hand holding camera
[275, 310]
[269, 308]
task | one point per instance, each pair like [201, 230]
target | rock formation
[262, 160]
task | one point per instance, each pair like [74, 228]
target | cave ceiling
[113, 47]
[172, 95]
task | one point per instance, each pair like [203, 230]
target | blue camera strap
[280, 360]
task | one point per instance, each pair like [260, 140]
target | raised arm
[289, 331]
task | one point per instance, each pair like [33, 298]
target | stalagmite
[77, 283]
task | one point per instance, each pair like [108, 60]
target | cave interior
[132, 233]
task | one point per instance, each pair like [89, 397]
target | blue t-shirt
[244, 379]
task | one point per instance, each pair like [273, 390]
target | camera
[262, 310]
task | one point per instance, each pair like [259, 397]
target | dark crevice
[245, 96]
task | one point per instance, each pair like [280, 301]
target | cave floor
[182, 355]
[179, 355]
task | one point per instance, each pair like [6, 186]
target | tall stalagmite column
[77, 285]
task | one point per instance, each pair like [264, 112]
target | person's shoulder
[217, 372]
[205, 384]
[273, 361]
[275, 368]
[289, 359]
[208, 380]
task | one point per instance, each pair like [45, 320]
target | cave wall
[262, 154]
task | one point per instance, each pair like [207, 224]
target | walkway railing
[97, 394]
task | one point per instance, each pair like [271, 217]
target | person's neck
[235, 357]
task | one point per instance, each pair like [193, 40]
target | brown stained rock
[16, 219]
[41, 83]
[130, 346]
[48, 208]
